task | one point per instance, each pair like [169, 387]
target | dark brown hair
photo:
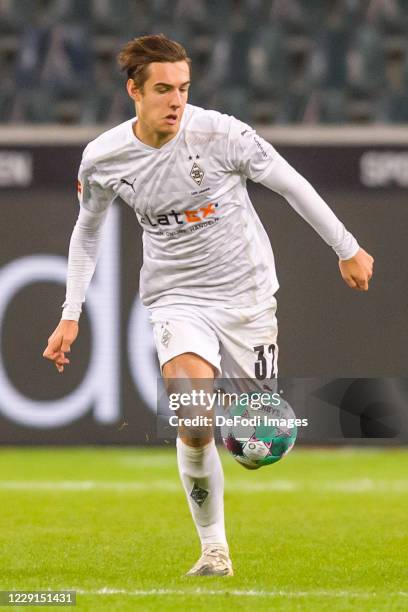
[138, 53]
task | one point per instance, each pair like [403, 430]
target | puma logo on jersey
[131, 185]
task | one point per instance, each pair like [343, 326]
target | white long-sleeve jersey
[203, 242]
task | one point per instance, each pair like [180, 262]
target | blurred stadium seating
[274, 61]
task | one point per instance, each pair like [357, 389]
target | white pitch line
[237, 592]
[234, 592]
[86, 485]
[365, 485]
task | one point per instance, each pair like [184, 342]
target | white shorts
[239, 343]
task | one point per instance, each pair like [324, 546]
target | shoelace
[214, 552]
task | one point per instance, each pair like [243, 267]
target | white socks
[203, 480]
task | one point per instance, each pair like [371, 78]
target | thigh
[189, 356]
[188, 366]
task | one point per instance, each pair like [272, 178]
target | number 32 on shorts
[265, 361]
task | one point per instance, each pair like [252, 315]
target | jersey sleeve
[86, 238]
[92, 194]
[304, 199]
[258, 160]
[247, 152]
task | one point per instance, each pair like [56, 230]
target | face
[161, 103]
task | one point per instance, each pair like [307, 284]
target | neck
[150, 137]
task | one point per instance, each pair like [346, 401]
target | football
[260, 435]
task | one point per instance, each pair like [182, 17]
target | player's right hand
[60, 342]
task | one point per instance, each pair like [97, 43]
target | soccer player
[208, 275]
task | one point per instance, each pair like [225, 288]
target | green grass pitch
[320, 530]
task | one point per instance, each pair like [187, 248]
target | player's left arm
[257, 159]
[356, 265]
[358, 270]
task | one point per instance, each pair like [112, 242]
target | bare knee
[197, 442]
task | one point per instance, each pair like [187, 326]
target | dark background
[326, 330]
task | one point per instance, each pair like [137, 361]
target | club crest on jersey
[197, 173]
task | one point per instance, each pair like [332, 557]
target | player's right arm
[60, 342]
[83, 254]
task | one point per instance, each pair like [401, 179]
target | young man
[208, 275]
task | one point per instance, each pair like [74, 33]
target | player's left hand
[358, 270]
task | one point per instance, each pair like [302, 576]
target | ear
[133, 91]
